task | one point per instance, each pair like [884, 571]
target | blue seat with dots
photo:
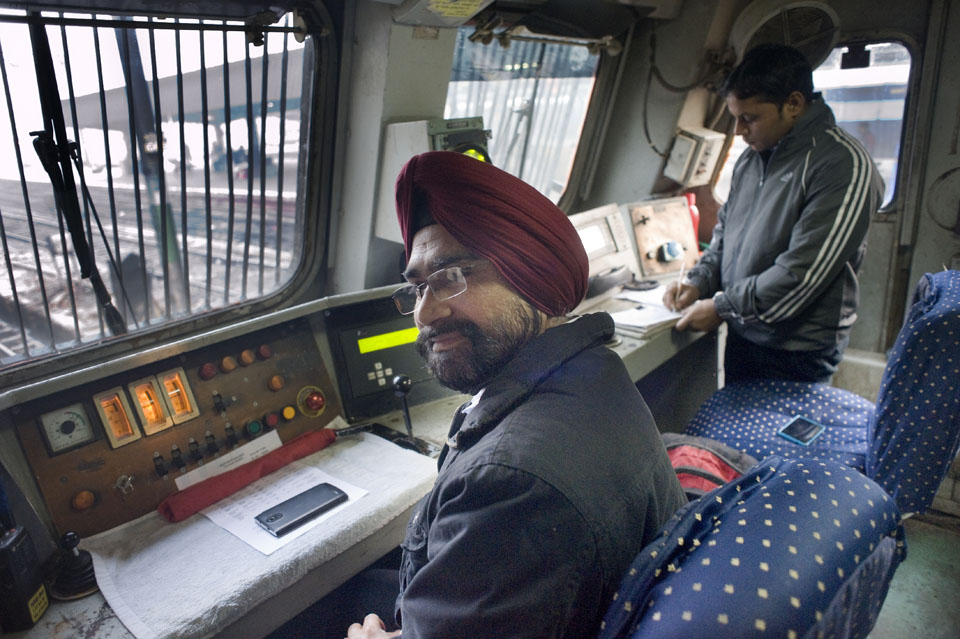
[906, 442]
[793, 549]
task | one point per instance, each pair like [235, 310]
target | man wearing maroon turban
[554, 475]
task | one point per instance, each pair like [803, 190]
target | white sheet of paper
[645, 316]
[235, 513]
[652, 297]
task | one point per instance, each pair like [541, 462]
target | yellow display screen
[387, 340]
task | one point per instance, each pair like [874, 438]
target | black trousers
[743, 360]
[374, 590]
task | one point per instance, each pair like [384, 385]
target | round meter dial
[67, 428]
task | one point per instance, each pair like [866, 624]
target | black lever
[401, 387]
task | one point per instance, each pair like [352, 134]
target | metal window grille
[203, 216]
[533, 97]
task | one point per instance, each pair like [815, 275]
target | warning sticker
[456, 8]
[38, 603]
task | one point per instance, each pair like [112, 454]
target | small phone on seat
[801, 430]
[290, 514]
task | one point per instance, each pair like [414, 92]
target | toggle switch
[218, 406]
[158, 464]
[212, 447]
[176, 458]
[194, 447]
[232, 440]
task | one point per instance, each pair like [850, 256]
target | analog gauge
[67, 428]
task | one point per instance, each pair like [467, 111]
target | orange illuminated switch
[150, 406]
[118, 420]
[179, 397]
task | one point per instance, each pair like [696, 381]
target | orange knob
[247, 357]
[228, 364]
[83, 500]
[275, 383]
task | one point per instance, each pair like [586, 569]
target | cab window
[187, 163]
[533, 97]
[868, 102]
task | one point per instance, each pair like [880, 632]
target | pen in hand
[676, 294]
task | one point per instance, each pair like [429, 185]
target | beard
[468, 369]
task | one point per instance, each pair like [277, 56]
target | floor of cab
[924, 596]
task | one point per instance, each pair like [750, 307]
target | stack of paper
[650, 316]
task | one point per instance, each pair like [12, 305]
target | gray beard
[488, 353]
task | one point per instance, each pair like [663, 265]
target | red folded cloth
[181, 505]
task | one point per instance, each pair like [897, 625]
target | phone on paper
[801, 430]
[290, 514]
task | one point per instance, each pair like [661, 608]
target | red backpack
[703, 464]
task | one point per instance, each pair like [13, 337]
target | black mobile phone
[801, 430]
[290, 514]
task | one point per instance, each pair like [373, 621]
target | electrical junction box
[694, 156]
[403, 140]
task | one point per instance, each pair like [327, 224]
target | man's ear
[794, 104]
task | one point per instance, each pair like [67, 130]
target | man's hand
[679, 296]
[372, 628]
[702, 316]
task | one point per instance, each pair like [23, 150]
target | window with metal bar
[184, 146]
[533, 97]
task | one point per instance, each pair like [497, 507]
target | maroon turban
[528, 239]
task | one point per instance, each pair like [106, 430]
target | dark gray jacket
[790, 239]
[547, 490]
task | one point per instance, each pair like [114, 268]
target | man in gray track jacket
[781, 269]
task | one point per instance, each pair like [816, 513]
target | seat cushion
[794, 548]
[747, 416]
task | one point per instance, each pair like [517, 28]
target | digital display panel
[597, 239]
[387, 340]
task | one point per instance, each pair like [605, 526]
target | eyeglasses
[444, 284]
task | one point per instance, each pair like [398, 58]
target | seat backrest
[791, 549]
[914, 434]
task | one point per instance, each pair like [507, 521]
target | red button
[264, 352]
[315, 400]
[208, 371]
[271, 420]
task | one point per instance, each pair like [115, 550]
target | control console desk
[290, 372]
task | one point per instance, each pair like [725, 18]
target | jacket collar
[535, 361]
[815, 119]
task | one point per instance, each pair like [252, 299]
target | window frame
[315, 172]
